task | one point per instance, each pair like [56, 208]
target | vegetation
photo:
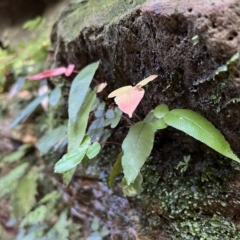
[29, 185]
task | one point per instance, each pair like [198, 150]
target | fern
[17, 155]
[60, 229]
[9, 182]
[233, 100]
[24, 198]
[34, 217]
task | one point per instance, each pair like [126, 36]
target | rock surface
[135, 39]
[188, 44]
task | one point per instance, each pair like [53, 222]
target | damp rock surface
[190, 46]
[185, 43]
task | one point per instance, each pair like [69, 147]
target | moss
[93, 13]
[193, 204]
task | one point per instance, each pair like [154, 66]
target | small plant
[183, 165]
[138, 144]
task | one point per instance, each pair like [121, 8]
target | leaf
[24, 196]
[234, 58]
[137, 147]
[116, 170]
[55, 96]
[201, 129]
[17, 155]
[100, 110]
[120, 91]
[52, 196]
[93, 150]
[28, 110]
[96, 129]
[117, 117]
[35, 216]
[147, 80]
[127, 98]
[224, 68]
[80, 102]
[51, 139]
[79, 90]
[9, 182]
[160, 124]
[150, 118]
[69, 70]
[105, 135]
[53, 72]
[77, 130]
[16, 87]
[48, 73]
[72, 158]
[134, 188]
[109, 114]
[101, 86]
[94, 236]
[60, 229]
[129, 101]
[161, 110]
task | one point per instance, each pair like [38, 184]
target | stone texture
[155, 37]
[134, 39]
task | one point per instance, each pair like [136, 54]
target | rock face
[135, 39]
[188, 44]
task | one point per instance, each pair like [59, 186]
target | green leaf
[28, 110]
[77, 130]
[72, 158]
[17, 155]
[79, 90]
[95, 104]
[95, 130]
[52, 196]
[100, 110]
[93, 150]
[60, 229]
[116, 170]
[9, 182]
[150, 118]
[201, 129]
[137, 147]
[160, 124]
[52, 139]
[109, 113]
[117, 117]
[134, 188]
[55, 96]
[161, 110]
[105, 135]
[24, 196]
[35, 216]
[81, 99]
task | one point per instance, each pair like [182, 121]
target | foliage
[138, 143]
[201, 129]
[136, 149]
[25, 181]
[89, 126]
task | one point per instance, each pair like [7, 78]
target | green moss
[191, 205]
[93, 13]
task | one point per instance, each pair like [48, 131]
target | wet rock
[188, 44]
[184, 43]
